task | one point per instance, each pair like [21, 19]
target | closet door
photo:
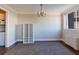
[19, 32]
[30, 33]
[25, 33]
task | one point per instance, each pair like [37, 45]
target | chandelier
[41, 12]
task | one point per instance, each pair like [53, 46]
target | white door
[28, 33]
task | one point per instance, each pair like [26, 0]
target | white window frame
[66, 19]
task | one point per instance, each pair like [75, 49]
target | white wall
[71, 38]
[11, 20]
[11, 29]
[44, 28]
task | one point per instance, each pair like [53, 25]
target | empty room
[39, 29]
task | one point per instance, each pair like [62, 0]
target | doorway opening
[2, 27]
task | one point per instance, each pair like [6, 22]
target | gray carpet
[40, 48]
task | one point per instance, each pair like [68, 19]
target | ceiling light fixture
[41, 12]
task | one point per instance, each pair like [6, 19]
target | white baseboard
[8, 45]
[19, 40]
[42, 40]
[47, 40]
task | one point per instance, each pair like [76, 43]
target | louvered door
[28, 33]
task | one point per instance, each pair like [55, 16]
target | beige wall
[44, 28]
[71, 38]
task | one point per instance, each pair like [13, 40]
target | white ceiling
[33, 8]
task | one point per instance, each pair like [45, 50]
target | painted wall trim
[7, 45]
[46, 39]
[18, 40]
[41, 40]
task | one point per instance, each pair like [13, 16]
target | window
[73, 20]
